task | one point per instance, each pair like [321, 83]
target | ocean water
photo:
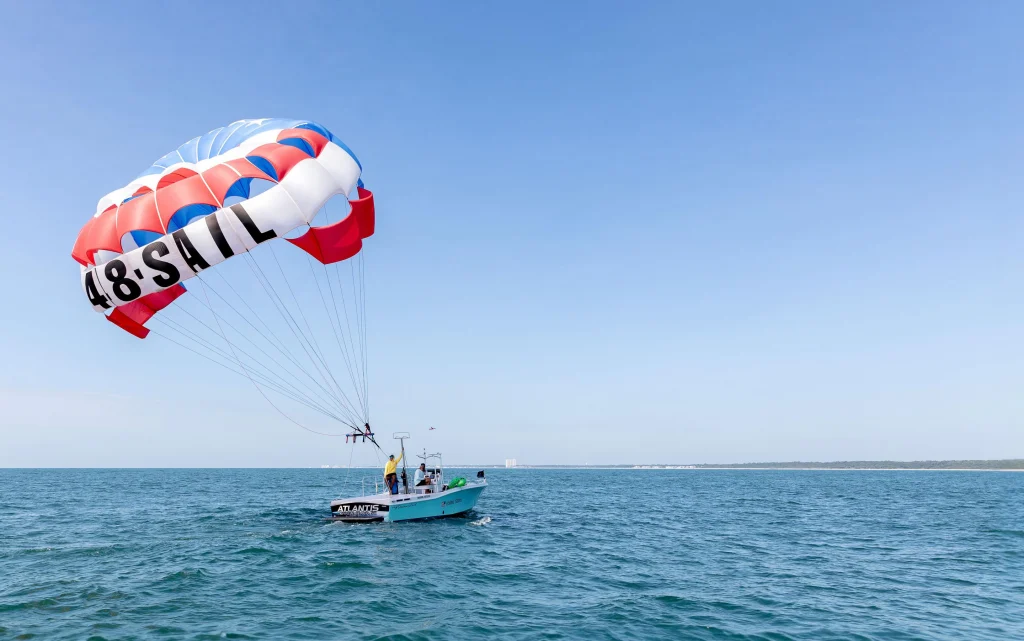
[547, 554]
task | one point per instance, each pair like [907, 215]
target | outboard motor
[480, 474]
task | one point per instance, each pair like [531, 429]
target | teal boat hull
[408, 507]
[450, 503]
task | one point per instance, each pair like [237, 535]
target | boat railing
[378, 486]
[436, 471]
[375, 482]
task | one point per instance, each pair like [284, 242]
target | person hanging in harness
[390, 476]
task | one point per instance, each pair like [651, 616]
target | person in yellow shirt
[390, 475]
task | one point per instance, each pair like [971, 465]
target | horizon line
[880, 464]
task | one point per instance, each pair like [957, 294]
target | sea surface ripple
[547, 554]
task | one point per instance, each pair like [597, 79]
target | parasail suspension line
[258, 388]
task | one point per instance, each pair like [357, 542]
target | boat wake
[483, 521]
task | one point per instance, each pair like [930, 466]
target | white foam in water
[483, 521]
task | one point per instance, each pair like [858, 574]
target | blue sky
[611, 232]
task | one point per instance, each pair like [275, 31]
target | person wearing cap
[390, 474]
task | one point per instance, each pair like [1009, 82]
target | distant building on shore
[510, 462]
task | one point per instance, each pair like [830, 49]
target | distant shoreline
[1012, 465]
[678, 468]
[964, 465]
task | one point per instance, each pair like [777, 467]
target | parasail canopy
[197, 207]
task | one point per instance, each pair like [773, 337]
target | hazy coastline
[953, 465]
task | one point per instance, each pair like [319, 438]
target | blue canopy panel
[263, 165]
[142, 237]
[187, 214]
[239, 188]
[299, 143]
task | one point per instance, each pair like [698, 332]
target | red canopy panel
[185, 188]
[139, 214]
[184, 192]
[221, 177]
[341, 240]
[99, 233]
[132, 316]
[282, 157]
[173, 177]
[316, 141]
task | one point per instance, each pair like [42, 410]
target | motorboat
[436, 497]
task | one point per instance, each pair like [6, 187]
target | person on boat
[422, 478]
[390, 476]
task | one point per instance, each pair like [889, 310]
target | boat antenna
[400, 437]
